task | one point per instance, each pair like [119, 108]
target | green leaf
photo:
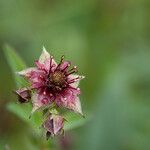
[73, 121]
[23, 112]
[16, 64]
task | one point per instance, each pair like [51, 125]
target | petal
[75, 106]
[40, 100]
[36, 104]
[45, 61]
[64, 65]
[40, 65]
[58, 124]
[37, 78]
[75, 80]
[44, 56]
[71, 102]
[48, 124]
[27, 72]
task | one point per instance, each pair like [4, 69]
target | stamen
[82, 77]
[74, 80]
[74, 88]
[68, 65]
[50, 65]
[73, 70]
[65, 83]
[62, 58]
[61, 61]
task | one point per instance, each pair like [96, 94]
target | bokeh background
[109, 40]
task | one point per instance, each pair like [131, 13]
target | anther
[73, 70]
[51, 57]
[68, 65]
[82, 77]
[62, 59]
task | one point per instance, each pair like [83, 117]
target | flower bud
[53, 125]
[23, 95]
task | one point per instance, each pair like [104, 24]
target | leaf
[23, 112]
[73, 121]
[16, 64]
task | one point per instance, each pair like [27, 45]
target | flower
[24, 95]
[53, 83]
[53, 125]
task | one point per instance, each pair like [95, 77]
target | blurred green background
[109, 40]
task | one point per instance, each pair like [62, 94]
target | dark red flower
[53, 83]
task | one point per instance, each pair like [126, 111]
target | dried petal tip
[53, 125]
[23, 95]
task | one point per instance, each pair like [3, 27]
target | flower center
[56, 81]
[57, 78]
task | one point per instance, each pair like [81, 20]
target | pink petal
[48, 125]
[64, 65]
[27, 72]
[76, 106]
[40, 100]
[40, 65]
[37, 78]
[76, 79]
[58, 124]
[44, 61]
[44, 56]
[70, 101]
